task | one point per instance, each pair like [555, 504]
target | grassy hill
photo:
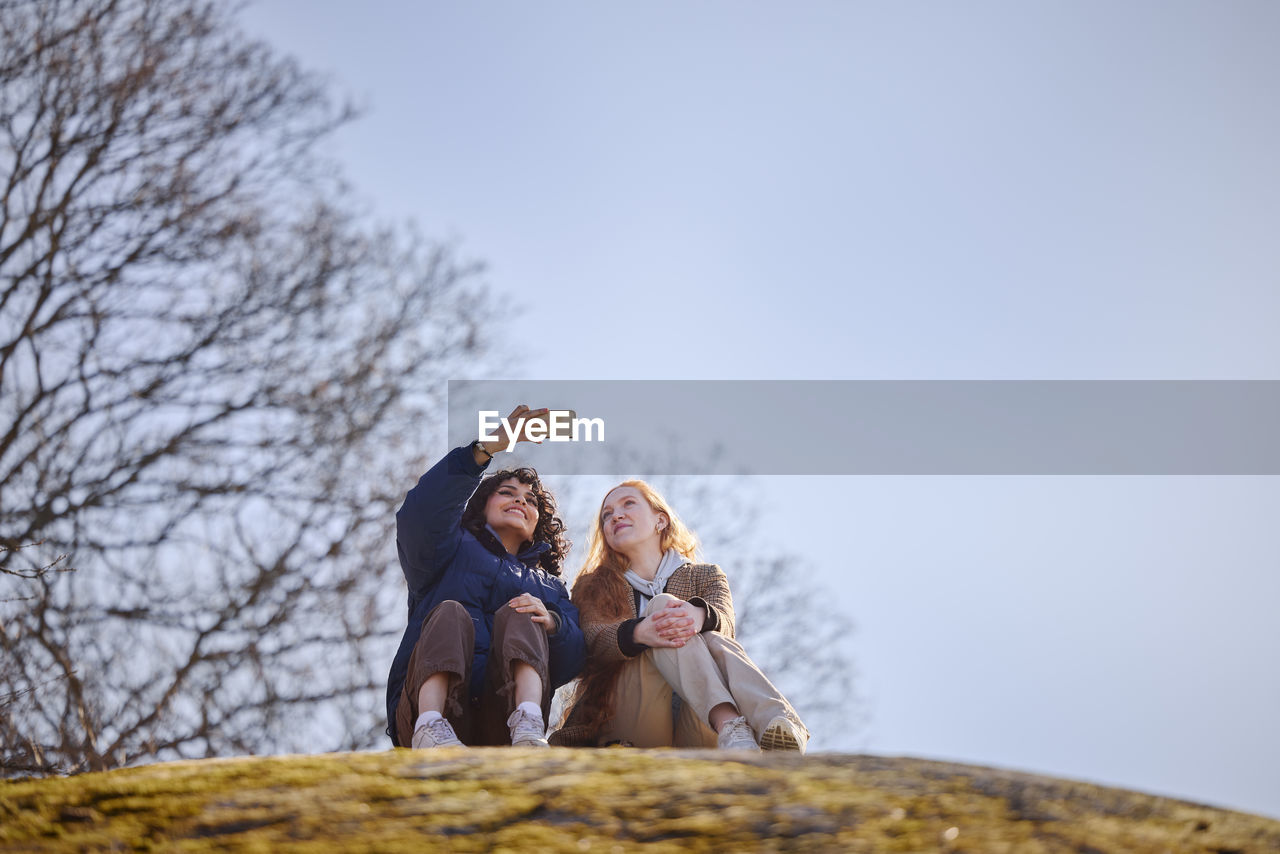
[604, 801]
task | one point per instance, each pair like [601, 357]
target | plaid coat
[702, 584]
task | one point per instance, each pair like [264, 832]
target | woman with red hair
[656, 624]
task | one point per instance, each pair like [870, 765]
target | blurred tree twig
[213, 378]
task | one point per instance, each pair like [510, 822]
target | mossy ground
[605, 801]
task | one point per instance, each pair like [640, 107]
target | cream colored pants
[708, 670]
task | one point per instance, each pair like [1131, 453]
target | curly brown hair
[550, 528]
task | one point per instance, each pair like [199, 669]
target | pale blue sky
[730, 190]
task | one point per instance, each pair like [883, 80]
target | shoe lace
[739, 730]
[526, 724]
[441, 731]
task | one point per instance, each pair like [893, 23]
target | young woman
[492, 632]
[658, 623]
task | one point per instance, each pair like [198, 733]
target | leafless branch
[213, 375]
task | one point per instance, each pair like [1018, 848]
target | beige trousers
[708, 670]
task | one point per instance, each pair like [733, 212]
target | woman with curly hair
[658, 623]
[491, 631]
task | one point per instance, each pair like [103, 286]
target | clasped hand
[672, 626]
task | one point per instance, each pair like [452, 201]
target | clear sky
[845, 190]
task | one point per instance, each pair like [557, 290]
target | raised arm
[429, 523]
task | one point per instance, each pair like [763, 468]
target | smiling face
[512, 509]
[629, 524]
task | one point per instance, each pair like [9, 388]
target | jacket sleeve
[429, 523]
[567, 646]
[713, 594]
[601, 635]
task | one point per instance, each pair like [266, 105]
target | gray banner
[891, 427]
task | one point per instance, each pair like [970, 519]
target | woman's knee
[506, 612]
[449, 609]
[657, 603]
[448, 619]
[507, 618]
[515, 627]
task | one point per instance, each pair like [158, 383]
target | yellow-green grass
[605, 801]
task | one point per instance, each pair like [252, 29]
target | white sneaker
[736, 734]
[527, 730]
[782, 733]
[437, 733]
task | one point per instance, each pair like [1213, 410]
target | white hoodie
[671, 561]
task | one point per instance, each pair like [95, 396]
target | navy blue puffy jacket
[442, 561]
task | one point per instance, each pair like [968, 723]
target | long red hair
[603, 595]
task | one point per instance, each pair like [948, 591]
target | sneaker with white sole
[782, 733]
[527, 730]
[436, 733]
[736, 734]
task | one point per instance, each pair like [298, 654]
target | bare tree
[215, 382]
[32, 569]
[26, 568]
